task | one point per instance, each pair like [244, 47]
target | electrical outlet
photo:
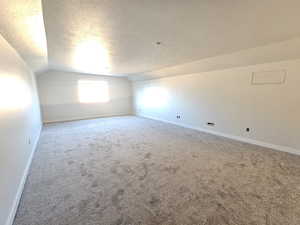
[178, 117]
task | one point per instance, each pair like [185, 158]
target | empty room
[149, 112]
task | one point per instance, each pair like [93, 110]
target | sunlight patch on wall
[14, 93]
[91, 91]
[155, 97]
[91, 56]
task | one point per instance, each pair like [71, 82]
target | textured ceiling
[275, 52]
[118, 37]
[22, 25]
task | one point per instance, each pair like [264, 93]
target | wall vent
[268, 77]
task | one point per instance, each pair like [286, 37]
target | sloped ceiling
[133, 37]
[22, 25]
[274, 52]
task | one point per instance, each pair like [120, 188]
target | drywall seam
[86, 118]
[17, 199]
[233, 137]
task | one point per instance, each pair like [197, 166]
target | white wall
[59, 99]
[20, 123]
[228, 99]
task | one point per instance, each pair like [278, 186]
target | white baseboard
[85, 118]
[17, 199]
[237, 138]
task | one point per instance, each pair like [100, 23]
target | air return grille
[269, 77]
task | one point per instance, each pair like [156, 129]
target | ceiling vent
[269, 77]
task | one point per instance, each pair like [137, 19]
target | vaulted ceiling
[22, 25]
[132, 37]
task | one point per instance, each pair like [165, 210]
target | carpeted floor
[130, 171]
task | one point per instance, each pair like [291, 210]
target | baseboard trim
[84, 118]
[17, 199]
[233, 137]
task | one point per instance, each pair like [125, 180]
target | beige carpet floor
[130, 171]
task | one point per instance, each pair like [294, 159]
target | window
[91, 91]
